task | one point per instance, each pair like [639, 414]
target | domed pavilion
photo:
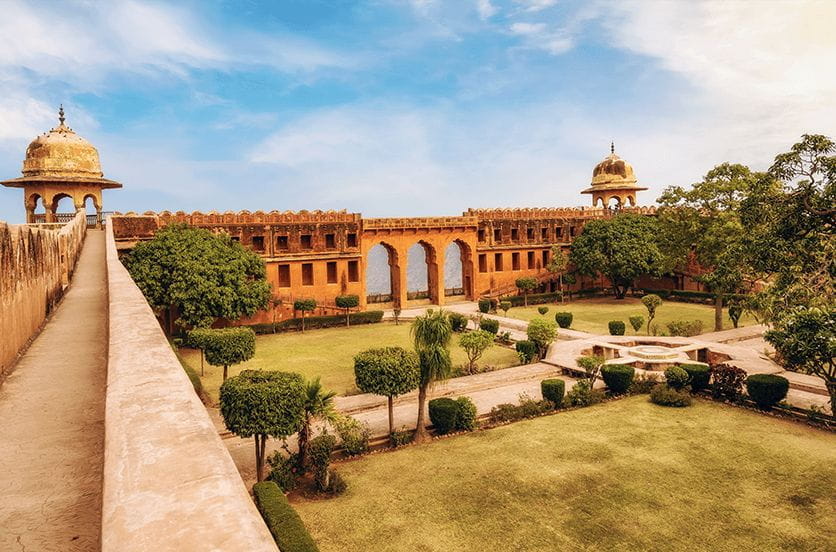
[613, 179]
[60, 164]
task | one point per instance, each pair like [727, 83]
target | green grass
[626, 475]
[592, 315]
[329, 353]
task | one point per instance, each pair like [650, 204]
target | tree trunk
[347, 317]
[260, 440]
[391, 416]
[649, 321]
[303, 321]
[525, 299]
[302, 442]
[718, 312]
[421, 433]
[225, 371]
[830, 383]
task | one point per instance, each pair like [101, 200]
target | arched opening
[458, 277]
[63, 208]
[599, 202]
[422, 273]
[614, 202]
[631, 201]
[382, 283]
[35, 209]
[93, 211]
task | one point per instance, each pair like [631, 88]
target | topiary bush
[542, 310]
[489, 325]
[448, 415]
[466, 419]
[637, 322]
[618, 377]
[553, 390]
[582, 394]
[685, 328]
[354, 435]
[527, 408]
[484, 305]
[563, 319]
[727, 381]
[319, 452]
[505, 306]
[284, 523]
[527, 350]
[284, 470]
[767, 390]
[643, 384]
[677, 377]
[458, 321]
[224, 347]
[541, 332]
[666, 395]
[617, 327]
[700, 375]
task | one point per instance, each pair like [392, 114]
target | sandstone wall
[169, 482]
[36, 262]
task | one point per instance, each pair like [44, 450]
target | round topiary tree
[617, 327]
[489, 325]
[227, 346]
[505, 306]
[676, 377]
[475, 344]
[387, 371]
[526, 349]
[347, 302]
[303, 306]
[618, 377]
[262, 403]
[563, 319]
[542, 332]
[651, 302]
[637, 322]
[700, 375]
[525, 285]
[553, 390]
[767, 390]
[542, 309]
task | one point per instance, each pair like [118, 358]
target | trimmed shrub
[224, 347]
[582, 394]
[643, 384]
[618, 377]
[637, 322]
[700, 375]
[354, 435]
[676, 377]
[541, 332]
[284, 470]
[284, 523]
[767, 390]
[527, 408]
[685, 328]
[484, 305]
[448, 415]
[542, 310]
[466, 419]
[399, 438]
[458, 321]
[534, 298]
[316, 322]
[527, 350]
[617, 327]
[563, 319]
[727, 381]
[489, 325]
[666, 395]
[505, 306]
[553, 390]
[319, 452]
[347, 301]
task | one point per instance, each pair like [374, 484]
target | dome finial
[61, 114]
[612, 147]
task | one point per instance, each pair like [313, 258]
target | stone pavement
[52, 422]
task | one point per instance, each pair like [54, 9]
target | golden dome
[61, 153]
[613, 171]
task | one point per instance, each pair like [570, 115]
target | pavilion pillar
[397, 274]
[435, 276]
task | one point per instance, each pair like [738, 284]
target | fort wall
[36, 263]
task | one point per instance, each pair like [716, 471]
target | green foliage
[400, 438]
[320, 449]
[583, 394]
[533, 298]
[527, 350]
[666, 395]
[484, 305]
[345, 301]
[563, 319]
[618, 377]
[284, 470]
[699, 375]
[194, 378]
[553, 390]
[505, 306]
[354, 435]
[735, 312]
[304, 305]
[643, 384]
[542, 310]
[263, 402]
[318, 322]
[617, 327]
[284, 523]
[677, 377]
[592, 365]
[225, 347]
[387, 371]
[458, 321]
[489, 325]
[431, 335]
[767, 390]
[727, 381]
[541, 332]
[474, 345]
[526, 408]
[319, 406]
[621, 248]
[203, 276]
[525, 285]
[685, 328]
[448, 415]
[637, 322]
[651, 302]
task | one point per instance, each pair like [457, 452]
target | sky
[409, 108]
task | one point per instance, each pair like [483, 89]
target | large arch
[93, 210]
[422, 273]
[458, 270]
[33, 202]
[383, 286]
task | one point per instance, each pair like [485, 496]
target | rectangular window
[531, 260]
[306, 241]
[236, 238]
[515, 261]
[331, 270]
[258, 244]
[281, 243]
[515, 234]
[545, 257]
[307, 274]
[353, 271]
[351, 240]
[497, 262]
[284, 276]
[330, 242]
[558, 233]
[483, 263]
[544, 233]
[572, 231]
[497, 235]
[530, 234]
[481, 234]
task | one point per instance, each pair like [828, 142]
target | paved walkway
[52, 422]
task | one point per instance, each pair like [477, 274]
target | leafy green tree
[637, 322]
[198, 276]
[542, 332]
[261, 404]
[525, 285]
[702, 223]
[319, 406]
[558, 264]
[651, 302]
[805, 341]
[431, 334]
[621, 248]
[347, 302]
[505, 306]
[592, 365]
[475, 344]
[387, 371]
[303, 306]
[735, 312]
[226, 346]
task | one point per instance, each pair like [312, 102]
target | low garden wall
[36, 263]
[169, 482]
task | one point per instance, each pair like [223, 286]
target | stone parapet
[198, 218]
[169, 482]
[420, 222]
[551, 213]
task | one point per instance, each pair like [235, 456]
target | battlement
[420, 222]
[198, 218]
[533, 213]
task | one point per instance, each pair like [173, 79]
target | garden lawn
[625, 475]
[329, 353]
[592, 315]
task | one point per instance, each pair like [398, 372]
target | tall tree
[431, 334]
[198, 275]
[319, 407]
[702, 223]
[621, 248]
[558, 263]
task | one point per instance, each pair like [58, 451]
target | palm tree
[431, 334]
[319, 406]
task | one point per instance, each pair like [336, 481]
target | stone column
[98, 218]
[397, 272]
[49, 216]
[435, 273]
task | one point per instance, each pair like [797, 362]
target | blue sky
[394, 108]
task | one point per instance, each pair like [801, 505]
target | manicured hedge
[313, 322]
[489, 325]
[526, 349]
[449, 415]
[677, 377]
[700, 375]
[458, 321]
[692, 296]
[282, 520]
[195, 379]
[563, 319]
[617, 327]
[618, 377]
[666, 395]
[767, 390]
[485, 305]
[553, 390]
[533, 298]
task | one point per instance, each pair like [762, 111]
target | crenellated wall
[36, 263]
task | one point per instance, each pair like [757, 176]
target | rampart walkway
[52, 422]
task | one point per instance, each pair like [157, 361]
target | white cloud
[486, 9]
[528, 28]
[536, 5]
[538, 36]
